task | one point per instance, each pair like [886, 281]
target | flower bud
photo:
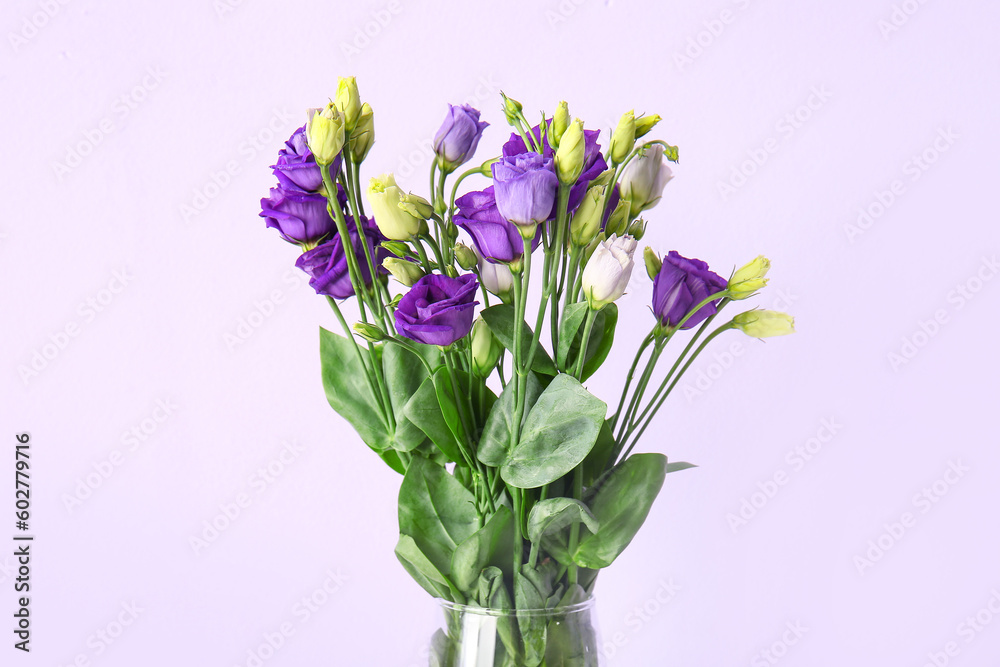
[325, 133]
[643, 124]
[404, 271]
[653, 262]
[560, 122]
[416, 206]
[623, 138]
[511, 109]
[587, 219]
[370, 332]
[395, 222]
[465, 256]
[644, 178]
[637, 229]
[497, 279]
[750, 278]
[363, 135]
[570, 154]
[348, 101]
[619, 218]
[486, 348]
[396, 248]
[608, 271]
[764, 323]
[486, 168]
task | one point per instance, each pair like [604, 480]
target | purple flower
[497, 240]
[457, 138]
[326, 264]
[301, 217]
[593, 161]
[296, 168]
[525, 187]
[437, 310]
[681, 285]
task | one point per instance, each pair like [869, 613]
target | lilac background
[182, 107]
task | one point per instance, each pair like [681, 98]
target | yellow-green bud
[465, 256]
[653, 262]
[363, 135]
[637, 228]
[348, 101]
[560, 121]
[570, 154]
[325, 133]
[486, 348]
[587, 219]
[416, 206]
[511, 109]
[404, 271]
[764, 323]
[369, 332]
[643, 124]
[619, 219]
[486, 168]
[394, 221]
[750, 278]
[623, 138]
[396, 248]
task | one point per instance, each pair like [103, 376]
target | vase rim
[486, 611]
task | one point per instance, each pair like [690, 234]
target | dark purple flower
[525, 187]
[326, 264]
[593, 161]
[497, 240]
[681, 285]
[301, 217]
[437, 310]
[457, 138]
[296, 168]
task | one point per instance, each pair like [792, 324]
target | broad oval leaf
[495, 442]
[555, 514]
[473, 555]
[345, 381]
[404, 373]
[559, 432]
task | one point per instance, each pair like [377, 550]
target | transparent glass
[477, 637]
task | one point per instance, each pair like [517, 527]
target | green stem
[402, 342]
[640, 388]
[628, 379]
[587, 326]
[369, 372]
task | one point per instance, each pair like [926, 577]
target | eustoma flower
[525, 187]
[438, 309]
[644, 178]
[764, 323]
[496, 239]
[681, 285]
[608, 271]
[296, 167]
[392, 210]
[457, 138]
[327, 266]
[300, 217]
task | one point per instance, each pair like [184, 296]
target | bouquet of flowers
[518, 484]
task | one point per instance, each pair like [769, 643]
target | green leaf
[500, 319]
[558, 433]
[391, 457]
[345, 381]
[436, 511]
[476, 552]
[404, 372]
[572, 638]
[679, 465]
[493, 594]
[422, 569]
[602, 337]
[621, 506]
[527, 595]
[598, 458]
[424, 410]
[495, 441]
[555, 514]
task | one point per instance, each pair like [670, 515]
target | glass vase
[478, 637]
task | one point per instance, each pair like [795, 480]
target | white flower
[388, 207]
[497, 279]
[608, 271]
[644, 178]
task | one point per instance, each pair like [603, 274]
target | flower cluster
[552, 233]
